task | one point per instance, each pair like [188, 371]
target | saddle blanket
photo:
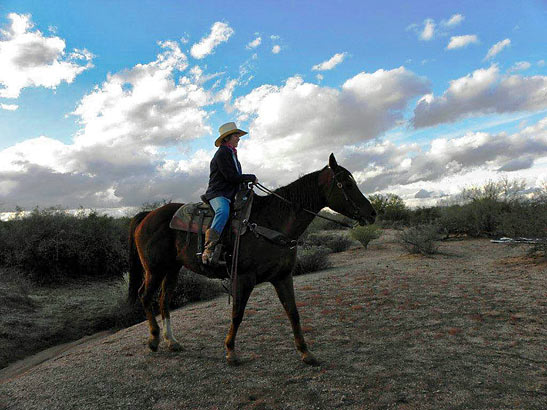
[188, 216]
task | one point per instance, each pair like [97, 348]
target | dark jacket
[225, 178]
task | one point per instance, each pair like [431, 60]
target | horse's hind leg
[148, 290]
[168, 286]
[285, 292]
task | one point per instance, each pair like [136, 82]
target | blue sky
[410, 96]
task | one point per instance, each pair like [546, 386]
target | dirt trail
[464, 329]
[23, 365]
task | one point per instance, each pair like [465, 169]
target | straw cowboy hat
[227, 129]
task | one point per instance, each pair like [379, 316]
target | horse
[158, 252]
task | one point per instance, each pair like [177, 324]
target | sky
[109, 105]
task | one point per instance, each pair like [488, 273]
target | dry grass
[465, 328]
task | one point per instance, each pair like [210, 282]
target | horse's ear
[332, 162]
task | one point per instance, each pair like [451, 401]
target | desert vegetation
[63, 275]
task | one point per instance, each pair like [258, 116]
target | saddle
[197, 217]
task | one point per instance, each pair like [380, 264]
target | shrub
[390, 208]
[420, 239]
[424, 216]
[365, 234]
[320, 224]
[50, 244]
[311, 259]
[192, 287]
[336, 242]
[538, 251]
[490, 217]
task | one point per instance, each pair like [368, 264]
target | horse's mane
[303, 191]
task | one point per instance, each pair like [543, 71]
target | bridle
[355, 207]
[355, 211]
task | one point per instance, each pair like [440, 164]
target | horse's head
[343, 195]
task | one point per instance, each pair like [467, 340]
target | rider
[224, 180]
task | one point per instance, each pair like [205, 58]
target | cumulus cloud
[428, 30]
[388, 165]
[462, 41]
[255, 43]
[299, 121]
[276, 49]
[496, 48]
[30, 59]
[220, 33]
[9, 107]
[482, 92]
[454, 20]
[117, 158]
[330, 63]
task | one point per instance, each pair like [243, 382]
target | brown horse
[158, 252]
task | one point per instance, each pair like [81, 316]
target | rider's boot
[211, 255]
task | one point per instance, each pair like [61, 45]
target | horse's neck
[304, 193]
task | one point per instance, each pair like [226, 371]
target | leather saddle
[197, 217]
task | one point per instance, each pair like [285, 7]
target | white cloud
[255, 43]
[220, 33]
[118, 156]
[520, 66]
[484, 91]
[496, 48]
[319, 77]
[292, 123]
[276, 49]
[9, 107]
[454, 20]
[428, 31]
[30, 59]
[541, 63]
[330, 63]
[462, 41]
[391, 167]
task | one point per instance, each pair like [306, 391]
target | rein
[269, 191]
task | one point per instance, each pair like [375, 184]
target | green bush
[390, 208]
[192, 287]
[49, 245]
[420, 239]
[495, 218]
[336, 242]
[320, 224]
[365, 234]
[311, 259]
[423, 215]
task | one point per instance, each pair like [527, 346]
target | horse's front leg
[244, 287]
[285, 291]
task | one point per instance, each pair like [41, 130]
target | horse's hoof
[174, 346]
[153, 344]
[232, 358]
[310, 359]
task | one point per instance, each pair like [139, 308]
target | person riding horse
[224, 180]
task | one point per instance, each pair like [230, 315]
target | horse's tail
[136, 271]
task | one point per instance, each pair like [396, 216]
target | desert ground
[465, 328]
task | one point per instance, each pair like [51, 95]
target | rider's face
[234, 139]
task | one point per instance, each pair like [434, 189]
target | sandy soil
[463, 329]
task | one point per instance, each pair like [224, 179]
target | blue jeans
[221, 206]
